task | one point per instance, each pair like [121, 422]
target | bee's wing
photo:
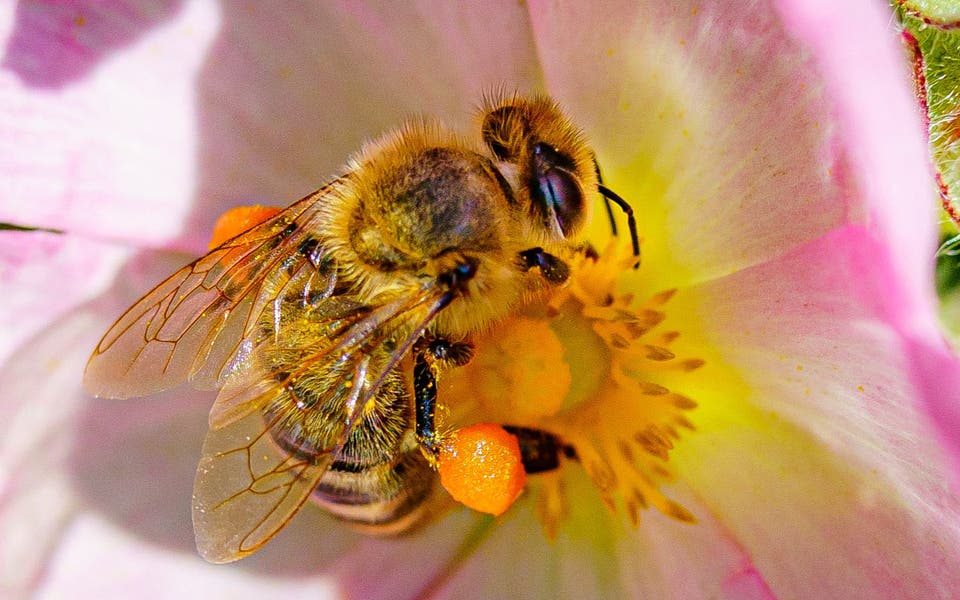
[247, 486]
[261, 380]
[191, 326]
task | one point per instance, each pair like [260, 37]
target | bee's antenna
[611, 196]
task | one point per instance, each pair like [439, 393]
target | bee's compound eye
[559, 189]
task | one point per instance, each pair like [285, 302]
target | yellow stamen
[611, 406]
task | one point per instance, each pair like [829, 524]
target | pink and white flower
[775, 158]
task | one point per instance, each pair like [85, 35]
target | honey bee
[305, 322]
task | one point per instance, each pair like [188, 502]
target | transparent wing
[247, 488]
[193, 325]
[260, 462]
[256, 317]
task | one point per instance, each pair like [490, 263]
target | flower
[777, 184]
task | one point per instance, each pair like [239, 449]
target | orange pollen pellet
[480, 466]
[237, 220]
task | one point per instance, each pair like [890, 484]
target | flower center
[586, 368]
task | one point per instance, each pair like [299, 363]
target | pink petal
[39, 399]
[98, 560]
[598, 555]
[703, 560]
[267, 128]
[55, 43]
[935, 373]
[41, 402]
[818, 526]
[439, 549]
[836, 455]
[881, 133]
[44, 276]
[729, 155]
[513, 559]
[813, 336]
[286, 97]
[892, 175]
[103, 145]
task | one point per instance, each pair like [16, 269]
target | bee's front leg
[432, 355]
[554, 270]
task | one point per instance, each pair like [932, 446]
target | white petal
[710, 119]
[811, 335]
[110, 150]
[46, 275]
[285, 98]
[816, 525]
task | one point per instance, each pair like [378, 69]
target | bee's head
[546, 161]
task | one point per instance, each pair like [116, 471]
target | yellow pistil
[517, 373]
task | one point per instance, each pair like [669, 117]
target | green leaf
[936, 49]
[944, 13]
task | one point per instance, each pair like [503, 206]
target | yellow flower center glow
[585, 368]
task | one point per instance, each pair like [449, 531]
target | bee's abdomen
[388, 494]
[378, 476]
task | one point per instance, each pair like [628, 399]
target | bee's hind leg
[540, 450]
[432, 355]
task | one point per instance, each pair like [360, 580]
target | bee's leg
[554, 269]
[425, 394]
[540, 450]
[432, 355]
